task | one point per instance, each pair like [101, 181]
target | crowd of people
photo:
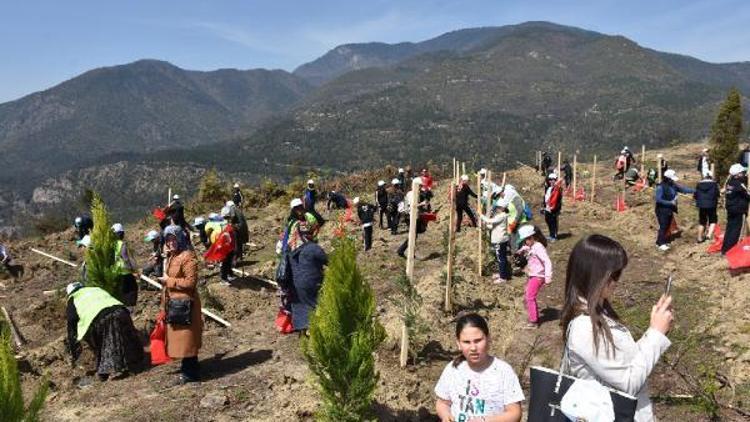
[476, 385]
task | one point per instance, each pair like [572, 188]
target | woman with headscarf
[104, 323]
[181, 303]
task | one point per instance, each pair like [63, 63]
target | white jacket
[627, 371]
[498, 226]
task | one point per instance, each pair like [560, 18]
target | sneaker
[499, 281]
[531, 326]
[664, 247]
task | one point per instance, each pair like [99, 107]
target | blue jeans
[501, 254]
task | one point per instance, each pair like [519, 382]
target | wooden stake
[643, 160]
[72, 264]
[503, 184]
[451, 247]
[17, 339]
[559, 163]
[463, 168]
[479, 226]
[169, 196]
[575, 177]
[593, 181]
[658, 168]
[410, 263]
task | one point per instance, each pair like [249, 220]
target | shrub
[211, 190]
[100, 256]
[344, 333]
[11, 396]
[725, 133]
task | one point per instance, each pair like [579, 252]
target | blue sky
[44, 42]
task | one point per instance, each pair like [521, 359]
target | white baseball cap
[78, 220]
[736, 169]
[175, 197]
[400, 170]
[670, 174]
[659, 155]
[296, 202]
[229, 204]
[310, 182]
[213, 216]
[381, 182]
[355, 201]
[464, 177]
[198, 221]
[552, 176]
[225, 212]
[525, 231]
[395, 182]
[483, 171]
[236, 185]
[118, 228]
[151, 235]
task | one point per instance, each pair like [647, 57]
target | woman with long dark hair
[477, 386]
[600, 347]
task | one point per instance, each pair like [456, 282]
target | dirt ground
[253, 373]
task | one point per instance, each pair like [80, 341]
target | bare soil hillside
[253, 373]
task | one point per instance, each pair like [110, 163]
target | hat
[229, 204]
[670, 174]
[214, 216]
[552, 176]
[78, 221]
[176, 197]
[118, 228]
[659, 155]
[736, 169]
[395, 182]
[464, 177]
[482, 171]
[525, 231]
[72, 287]
[296, 202]
[625, 148]
[355, 201]
[400, 170]
[150, 236]
[310, 182]
[236, 185]
[226, 212]
[198, 221]
[705, 149]
[381, 182]
[85, 241]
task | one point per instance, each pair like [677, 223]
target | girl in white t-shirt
[476, 386]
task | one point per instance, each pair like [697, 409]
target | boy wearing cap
[381, 197]
[736, 203]
[497, 224]
[237, 195]
[666, 205]
[462, 203]
[309, 198]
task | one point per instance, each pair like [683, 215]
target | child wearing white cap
[497, 223]
[666, 205]
[538, 269]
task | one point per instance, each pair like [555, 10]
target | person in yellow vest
[126, 268]
[104, 323]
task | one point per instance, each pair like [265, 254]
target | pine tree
[11, 396]
[100, 256]
[725, 133]
[344, 334]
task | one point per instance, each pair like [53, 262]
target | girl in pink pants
[538, 269]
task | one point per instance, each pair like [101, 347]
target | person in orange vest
[553, 196]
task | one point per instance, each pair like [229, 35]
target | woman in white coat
[599, 346]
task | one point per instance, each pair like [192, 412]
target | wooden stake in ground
[643, 159]
[479, 226]
[411, 250]
[593, 181]
[17, 339]
[451, 246]
[559, 163]
[463, 168]
[575, 177]
[659, 159]
[503, 184]
[169, 196]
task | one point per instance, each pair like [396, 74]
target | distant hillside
[140, 107]
[525, 87]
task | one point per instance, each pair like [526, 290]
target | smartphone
[668, 285]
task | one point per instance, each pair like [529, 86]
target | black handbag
[549, 386]
[179, 311]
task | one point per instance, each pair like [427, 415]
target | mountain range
[487, 95]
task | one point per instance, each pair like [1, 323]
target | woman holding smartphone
[600, 347]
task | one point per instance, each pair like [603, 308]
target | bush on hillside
[344, 334]
[212, 190]
[725, 134]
